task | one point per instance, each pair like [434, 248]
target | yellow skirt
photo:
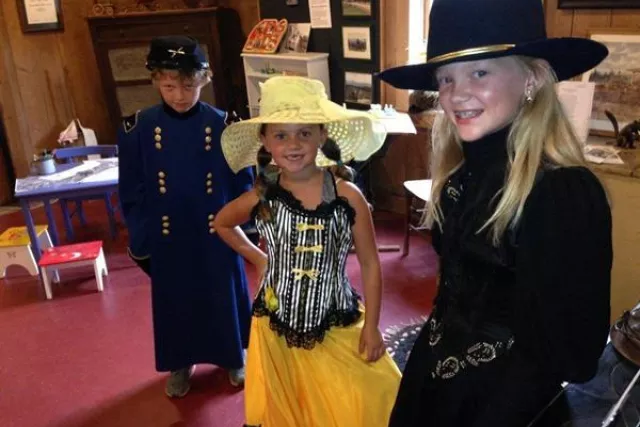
[328, 386]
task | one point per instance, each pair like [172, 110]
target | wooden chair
[76, 154]
[417, 189]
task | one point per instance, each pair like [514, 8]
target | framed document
[40, 15]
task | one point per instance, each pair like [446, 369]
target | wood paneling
[578, 22]
[48, 78]
[5, 187]
[394, 47]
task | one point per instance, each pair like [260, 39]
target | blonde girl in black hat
[522, 227]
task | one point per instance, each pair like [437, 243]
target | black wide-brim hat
[470, 30]
[176, 53]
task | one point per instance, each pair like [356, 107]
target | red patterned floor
[85, 359]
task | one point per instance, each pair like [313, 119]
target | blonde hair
[541, 137]
[200, 77]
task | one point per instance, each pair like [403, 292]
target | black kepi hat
[176, 53]
[469, 30]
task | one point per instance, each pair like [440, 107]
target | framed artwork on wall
[356, 42]
[358, 88]
[598, 4]
[617, 80]
[356, 8]
[40, 15]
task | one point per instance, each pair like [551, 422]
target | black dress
[510, 323]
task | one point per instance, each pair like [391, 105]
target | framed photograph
[598, 4]
[296, 39]
[356, 8]
[358, 88]
[616, 80]
[356, 42]
[40, 15]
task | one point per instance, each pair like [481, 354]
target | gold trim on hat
[472, 51]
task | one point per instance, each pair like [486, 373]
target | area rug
[399, 340]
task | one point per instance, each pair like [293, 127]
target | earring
[528, 95]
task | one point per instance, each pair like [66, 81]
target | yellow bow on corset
[303, 226]
[300, 273]
[316, 249]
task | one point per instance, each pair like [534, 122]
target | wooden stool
[420, 189]
[15, 248]
[68, 256]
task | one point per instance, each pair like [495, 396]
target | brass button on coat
[157, 130]
[161, 174]
[165, 232]
[163, 190]
[158, 138]
[158, 145]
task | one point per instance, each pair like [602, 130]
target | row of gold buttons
[207, 139]
[209, 183]
[162, 182]
[165, 225]
[211, 217]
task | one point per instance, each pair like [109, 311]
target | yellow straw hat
[289, 99]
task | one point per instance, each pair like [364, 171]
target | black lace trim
[276, 192]
[309, 339]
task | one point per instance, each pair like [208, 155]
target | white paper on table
[320, 12]
[596, 153]
[577, 101]
[398, 123]
[58, 176]
[105, 175]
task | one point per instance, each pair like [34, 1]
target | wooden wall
[48, 78]
[577, 22]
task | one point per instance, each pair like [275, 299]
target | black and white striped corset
[306, 290]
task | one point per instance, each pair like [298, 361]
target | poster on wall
[616, 81]
[320, 12]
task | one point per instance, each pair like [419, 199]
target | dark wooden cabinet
[121, 45]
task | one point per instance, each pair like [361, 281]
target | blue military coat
[173, 181]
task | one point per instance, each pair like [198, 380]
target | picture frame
[617, 79]
[358, 88]
[598, 4]
[297, 38]
[40, 15]
[356, 42]
[357, 8]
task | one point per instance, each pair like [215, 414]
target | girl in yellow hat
[315, 357]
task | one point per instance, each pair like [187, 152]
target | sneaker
[236, 377]
[178, 384]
